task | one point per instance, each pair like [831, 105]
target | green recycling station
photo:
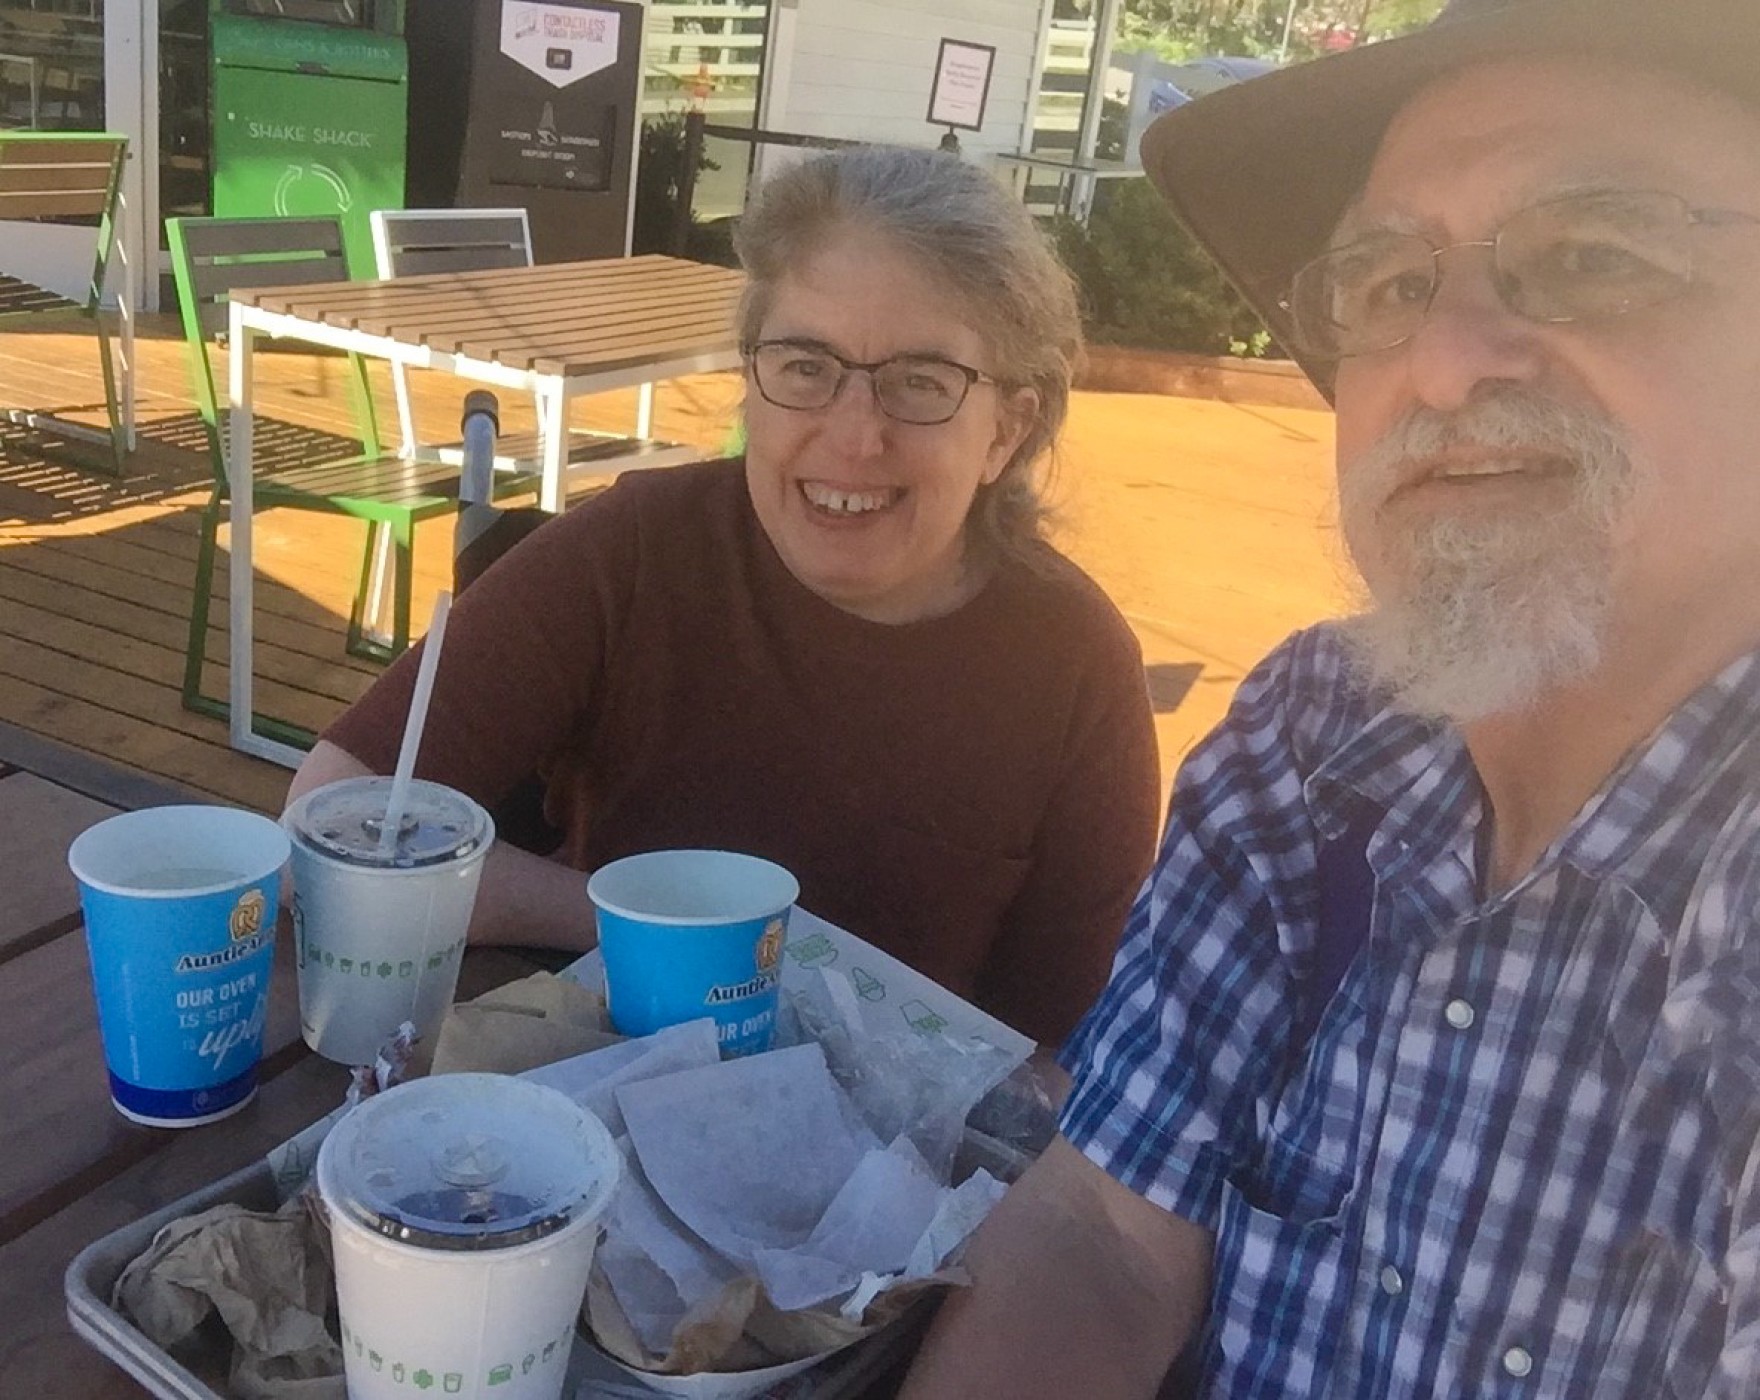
[318, 107]
[310, 110]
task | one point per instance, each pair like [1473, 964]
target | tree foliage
[1144, 281]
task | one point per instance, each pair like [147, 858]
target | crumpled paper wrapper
[862, 1225]
[532, 1022]
[739, 1329]
[264, 1278]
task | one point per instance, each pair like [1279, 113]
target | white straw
[418, 719]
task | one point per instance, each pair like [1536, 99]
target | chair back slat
[49, 176]
[60, 148]
[40, 204]
[217, 281]
[422, 262]
[59, 177]
[421, 228]
[417, 241]
[240, 238]
[213, 258]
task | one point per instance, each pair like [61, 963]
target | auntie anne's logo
[247, 915]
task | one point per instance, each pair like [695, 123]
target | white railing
[1068, 51]
[687, 66]
[1057, 113]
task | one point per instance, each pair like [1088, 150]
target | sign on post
[962, 84]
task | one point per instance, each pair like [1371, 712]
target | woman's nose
[856, 416]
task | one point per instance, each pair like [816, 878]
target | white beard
[1474, 615]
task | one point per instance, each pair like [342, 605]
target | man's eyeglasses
[1577, 258]
[803, 374]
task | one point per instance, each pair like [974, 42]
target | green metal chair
[209, 259]
[71, 174]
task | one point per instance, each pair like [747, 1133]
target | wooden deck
[1207, 522]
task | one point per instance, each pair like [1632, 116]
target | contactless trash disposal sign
[542, 137]
[560, 44]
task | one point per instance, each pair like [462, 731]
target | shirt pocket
[1280, 1254]
[1292, 1185]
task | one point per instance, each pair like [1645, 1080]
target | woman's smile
[835, 502]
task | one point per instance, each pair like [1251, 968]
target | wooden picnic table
[72, 1169]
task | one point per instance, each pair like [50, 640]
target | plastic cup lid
[343, 820]
[468, 1162]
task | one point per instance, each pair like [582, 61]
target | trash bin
[310, 103]
[534, 104]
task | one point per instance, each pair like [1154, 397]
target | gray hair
[970, 235]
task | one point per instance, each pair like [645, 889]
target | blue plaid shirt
[1518, 1155]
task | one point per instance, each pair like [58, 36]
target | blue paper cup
[180, 924]
[688, 934]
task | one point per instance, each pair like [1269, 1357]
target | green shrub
[1145, 283]
[657, 182]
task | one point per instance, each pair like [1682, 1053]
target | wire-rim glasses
[924, 390]
[1580, 257]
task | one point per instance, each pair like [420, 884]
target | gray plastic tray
[91, 1281]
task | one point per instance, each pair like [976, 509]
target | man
[1430, 1065]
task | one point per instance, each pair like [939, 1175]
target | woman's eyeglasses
[803, 374]
[1577, 258]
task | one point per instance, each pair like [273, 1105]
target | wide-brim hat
[1260, 172]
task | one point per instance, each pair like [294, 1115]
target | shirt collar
[1419, 774]
[1661, 781]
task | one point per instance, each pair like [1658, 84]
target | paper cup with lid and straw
[464, 1211]
[385, 875]
[379, 928]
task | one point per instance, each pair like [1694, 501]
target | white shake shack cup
[464, 1212]
[379, 930]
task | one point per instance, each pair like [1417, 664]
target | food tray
[91, 1281]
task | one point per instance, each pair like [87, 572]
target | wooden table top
[72, 1169]
[568, 319]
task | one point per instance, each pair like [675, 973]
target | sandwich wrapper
[779, 1207]
[776, 1209]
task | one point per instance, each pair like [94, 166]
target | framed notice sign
[962, 84]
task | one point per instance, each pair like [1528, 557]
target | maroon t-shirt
[975, 793]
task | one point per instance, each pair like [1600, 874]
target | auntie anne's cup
[688, 934]
[180, 923]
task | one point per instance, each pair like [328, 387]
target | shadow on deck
[96, 572]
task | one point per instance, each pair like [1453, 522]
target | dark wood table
[71, 1167]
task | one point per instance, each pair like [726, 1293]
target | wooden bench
[72, 175]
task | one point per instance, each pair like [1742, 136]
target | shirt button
[1391, 1283]
[1459, 1014]
[1517, 1362]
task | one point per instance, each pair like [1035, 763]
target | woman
[850, 653]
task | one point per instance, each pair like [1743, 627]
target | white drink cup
[379, 933]
[464, 1212]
